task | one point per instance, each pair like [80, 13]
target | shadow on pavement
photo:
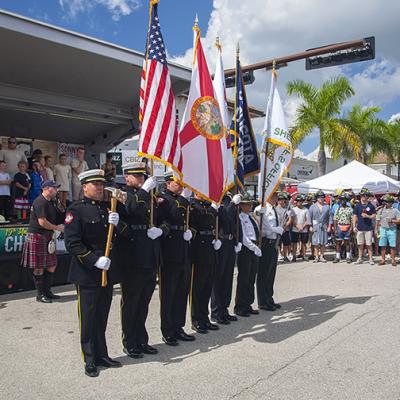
[295, 316]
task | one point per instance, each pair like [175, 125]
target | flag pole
[264, 186]
[236, 143]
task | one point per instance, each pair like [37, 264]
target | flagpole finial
[196, 24]
[153, 2]
[218, 44]
[237, 49]
[274, 68]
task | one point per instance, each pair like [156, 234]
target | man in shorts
[301, 222]
[363, 225]
[343, 229]
[285, 220]
[387, 220]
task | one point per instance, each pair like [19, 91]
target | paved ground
[336, 337]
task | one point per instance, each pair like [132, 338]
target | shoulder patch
[68, 217]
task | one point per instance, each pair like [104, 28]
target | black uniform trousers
[174, 283]
[202, 283]
[247, 263]
[94, 304]
[267, 272]
[222, 289]
[137, 288]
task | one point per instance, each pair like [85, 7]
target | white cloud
[117, 8]
[394, 118]
[270, 28]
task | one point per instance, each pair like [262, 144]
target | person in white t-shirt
[78, 166]
[12, 156]
[301, 222]
[48, 165]
[5, 195]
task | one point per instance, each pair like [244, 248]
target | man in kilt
[39, 253]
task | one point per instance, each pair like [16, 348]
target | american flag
[157, 113]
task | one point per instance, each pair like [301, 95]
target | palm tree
[320, 109]
[372, 132]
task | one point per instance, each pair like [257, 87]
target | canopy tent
[355, 176]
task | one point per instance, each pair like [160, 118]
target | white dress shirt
[269, 221]
[249, 234]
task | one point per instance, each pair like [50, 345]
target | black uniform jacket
[202, 221]
[135, 249]
[174, 209]
[86, 229]
[229, 222]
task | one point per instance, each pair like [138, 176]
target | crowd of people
[21, 178]
[355, 225]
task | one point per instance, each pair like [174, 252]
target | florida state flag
[202, 135]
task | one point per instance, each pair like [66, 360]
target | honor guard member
[230, 236]
[138, 256]
[203, 217]
[175, 270]
[86, 228]
[248, 259]
[271, 233]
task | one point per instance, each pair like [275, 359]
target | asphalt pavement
[337, 336]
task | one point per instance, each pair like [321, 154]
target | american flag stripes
[157, 114]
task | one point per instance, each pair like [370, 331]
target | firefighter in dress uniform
[86, 228]
[137, 254]
[230, 234]
[175, 270]
[203, 217]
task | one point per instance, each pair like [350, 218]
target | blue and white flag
[245, 152]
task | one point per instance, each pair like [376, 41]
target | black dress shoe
[182, 335]
[267, 307]
[230, 317]
[170, 340]
[51, 295]
[108, 362]
[91, 370]
[211, 327]
[199, 328]
[43, 299]
[221, 320]
[147, 349]
[242, 313]
[134, 352]
[276, 305]
[254, 312]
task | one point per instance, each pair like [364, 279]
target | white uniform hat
[91, 175]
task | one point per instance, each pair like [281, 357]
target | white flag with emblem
[277, 149]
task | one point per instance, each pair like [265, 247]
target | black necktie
[255, 228]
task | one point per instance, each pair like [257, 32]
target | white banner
[277, 150]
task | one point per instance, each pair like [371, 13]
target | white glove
[150, 183]
[217, 244]
[113, 218]
[257, 251]
[215, 206]
[278, 229]
[103, 263]
[154, 232]
[236, 199]
[186, 193]
[187, 235]
[238, 247]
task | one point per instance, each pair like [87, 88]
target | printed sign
[12, 240]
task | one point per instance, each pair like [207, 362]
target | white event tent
[355, 176]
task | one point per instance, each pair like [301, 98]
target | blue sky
[265, 29]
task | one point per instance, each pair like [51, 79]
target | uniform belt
[206, 233]
[227, 236]
[267, 240]
[139, 227]
[177, 228]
